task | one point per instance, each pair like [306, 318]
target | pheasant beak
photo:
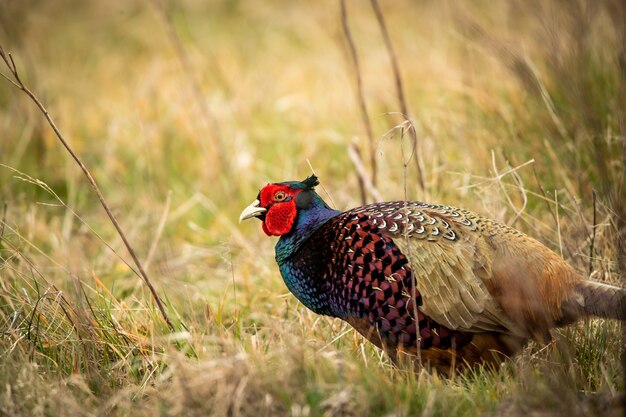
[253, 210]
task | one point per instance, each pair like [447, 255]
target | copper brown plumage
[459, 287]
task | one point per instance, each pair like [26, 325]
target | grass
[490, 88]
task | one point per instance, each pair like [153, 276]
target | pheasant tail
[602, 300]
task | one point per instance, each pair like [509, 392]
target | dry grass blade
[281, 96]
[330, 197]
[160, 227]
[594, 225]
[17, 82]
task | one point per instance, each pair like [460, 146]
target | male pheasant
[408, 275]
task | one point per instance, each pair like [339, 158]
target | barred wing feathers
[450, 260]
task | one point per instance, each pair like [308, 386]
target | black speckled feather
[349, 269]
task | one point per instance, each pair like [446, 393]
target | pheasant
[451, 286]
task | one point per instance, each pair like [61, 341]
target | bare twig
[354, 148]
[593, 231]
[210, 123]
[17, 82]
[404, 108]
[359, 90]
[392, 56]
[27, 178]
[353, 152]
[4, 220]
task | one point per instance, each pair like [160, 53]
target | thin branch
[392, 56]
[359, 87]
[354, 148]
[9, 79]
[22, 176]
[593, 232]
[10, 63]
[367, 184]
[4, 220]
[404, 108]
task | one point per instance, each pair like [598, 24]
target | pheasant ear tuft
[310, 182]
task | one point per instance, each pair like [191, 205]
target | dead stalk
[4, 219]
[354, 58]
[593, 232]
[368, 185]
[17, 82]
[404, 108]
[354, 149]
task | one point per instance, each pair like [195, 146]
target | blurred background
[183, 110]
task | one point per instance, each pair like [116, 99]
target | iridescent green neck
[312, 213]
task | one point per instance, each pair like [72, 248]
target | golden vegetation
[183, 110]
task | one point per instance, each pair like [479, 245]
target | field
[183, 110]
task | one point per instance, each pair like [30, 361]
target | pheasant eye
[280, 196]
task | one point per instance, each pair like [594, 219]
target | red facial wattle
[279, 218]
[280, 215]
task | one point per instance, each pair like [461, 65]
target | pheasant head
[278, 205]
